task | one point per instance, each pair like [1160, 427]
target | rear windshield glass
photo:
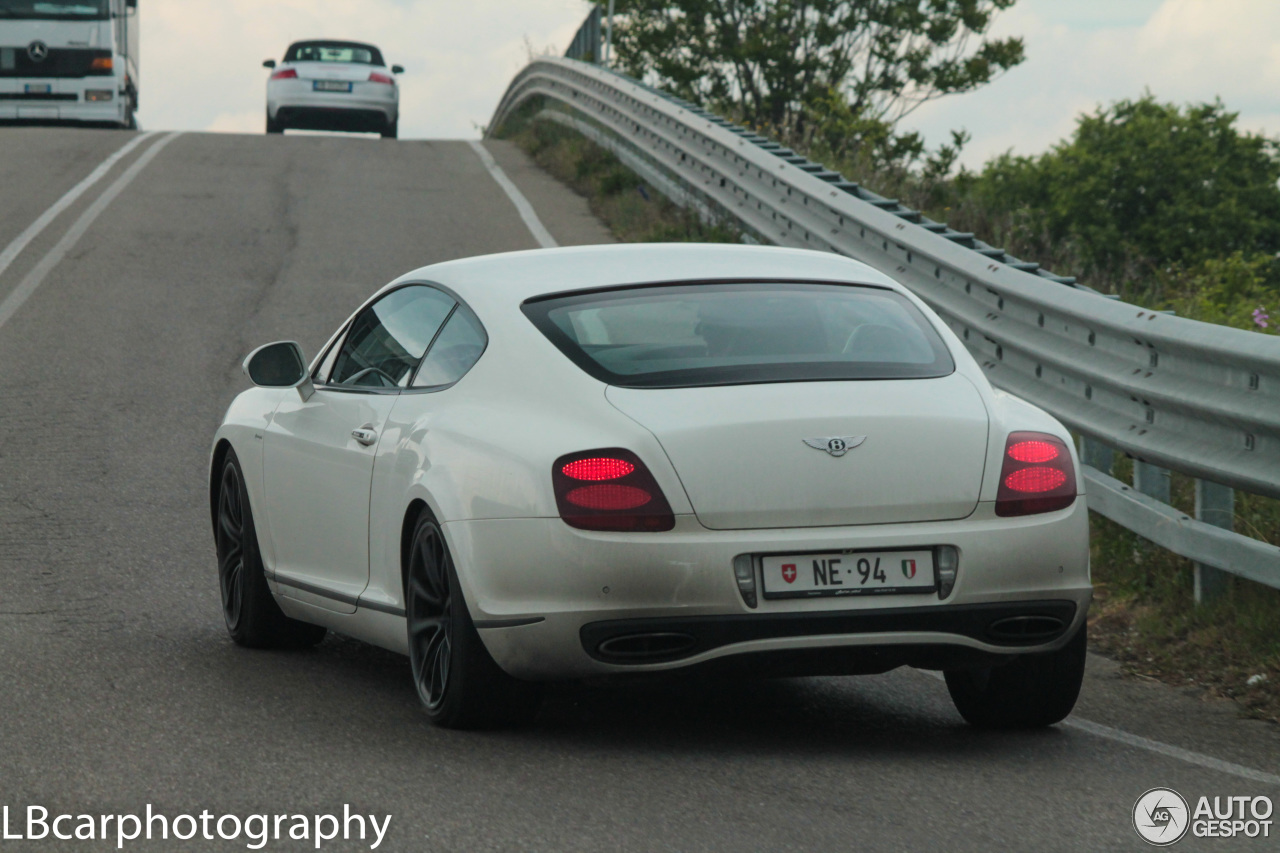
[737, 333]
[333, 51]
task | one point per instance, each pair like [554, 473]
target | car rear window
[729, 333]
[318, 51]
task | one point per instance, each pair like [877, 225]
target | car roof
[518, 276]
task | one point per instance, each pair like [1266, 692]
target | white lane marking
[536, 228]
[1167, 750]
[23, 291]
[1199, 758]
[15, 248]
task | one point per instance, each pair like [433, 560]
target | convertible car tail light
[1037, 475]
[609, 490]
[375, 77]
[285, 74]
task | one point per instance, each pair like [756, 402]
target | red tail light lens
[609, 490]
[285, 74]
[375, 77]
[1037, 475]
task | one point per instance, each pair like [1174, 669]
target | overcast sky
[202, 61]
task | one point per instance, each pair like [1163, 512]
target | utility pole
[608, 34]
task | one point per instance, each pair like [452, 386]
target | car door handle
[365, 435]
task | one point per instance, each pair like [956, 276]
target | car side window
[388, 339]
[460, 344]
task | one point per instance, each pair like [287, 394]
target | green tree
[780, 63]
[1147, 182]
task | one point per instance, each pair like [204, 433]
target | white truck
[69, 61]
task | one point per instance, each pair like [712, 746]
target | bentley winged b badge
[837, 445]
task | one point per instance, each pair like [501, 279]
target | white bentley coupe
[333, 85]
[622, 459]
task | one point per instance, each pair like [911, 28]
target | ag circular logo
[1161, 816]
[38, 51]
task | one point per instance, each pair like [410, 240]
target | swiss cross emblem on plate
[789, 572]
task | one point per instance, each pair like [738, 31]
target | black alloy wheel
[458, 682]
[250, 611]
[429, 612]
[230, 541]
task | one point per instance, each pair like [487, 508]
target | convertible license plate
[331, 86]
[847, 573]
[39, 88]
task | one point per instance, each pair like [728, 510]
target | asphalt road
[119, 687]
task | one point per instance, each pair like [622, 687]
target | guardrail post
[1216, 505]
[1151, 480]
[1097, 455]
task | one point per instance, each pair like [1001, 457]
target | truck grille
[36, 96]
[61, 62]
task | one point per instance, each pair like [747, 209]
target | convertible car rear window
[334, 51]
[730, 333]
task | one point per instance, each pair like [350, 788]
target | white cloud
[1089, 52]
[202, 59]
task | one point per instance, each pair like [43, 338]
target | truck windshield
[74, 9]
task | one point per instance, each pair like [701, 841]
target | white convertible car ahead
[605, 460]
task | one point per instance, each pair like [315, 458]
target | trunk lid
[353, 73]
[741, 453]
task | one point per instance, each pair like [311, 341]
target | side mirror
[270, 63]
[397, 69]
[279, 365]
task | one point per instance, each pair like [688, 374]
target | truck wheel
[1031, 692]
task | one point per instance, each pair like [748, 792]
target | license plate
[847, 573]
[39, 88]
[331, 86]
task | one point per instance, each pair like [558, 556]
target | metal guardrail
[1173, 393]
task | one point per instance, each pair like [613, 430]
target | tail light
[1037, 475]
[101, 63]
[375, 77]
[609, 490]
[285, 74]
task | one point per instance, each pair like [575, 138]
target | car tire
[458, 682]
[392, 130]
[249, 610]
[1030, 692]
[273, 126]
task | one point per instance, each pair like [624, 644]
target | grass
[634, 211]
[1144, 614]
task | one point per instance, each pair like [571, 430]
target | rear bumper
[370, 107]
[1015, 625]
[329, 118]
[547, 597]
[66, 100]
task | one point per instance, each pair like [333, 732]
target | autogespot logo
[1160, 816]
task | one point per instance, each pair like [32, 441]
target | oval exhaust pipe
[638, 648]
[1026, 630]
